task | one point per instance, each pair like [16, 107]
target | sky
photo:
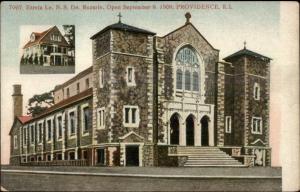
[257, 23]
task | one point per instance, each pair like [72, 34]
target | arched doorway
[204, 131]
[174, 129]
[190, 130]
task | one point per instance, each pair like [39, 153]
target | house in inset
[47, 48]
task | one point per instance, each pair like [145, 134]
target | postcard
[149, 96]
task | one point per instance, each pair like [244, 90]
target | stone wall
[229, 103]
[129, 95]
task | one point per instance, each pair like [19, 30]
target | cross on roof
[245, 44]
[119, 15]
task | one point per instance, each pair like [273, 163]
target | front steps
[206, 157]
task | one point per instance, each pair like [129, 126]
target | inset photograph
[47, 49]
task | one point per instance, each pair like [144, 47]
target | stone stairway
[207, 157]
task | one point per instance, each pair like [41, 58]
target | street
[38, 180]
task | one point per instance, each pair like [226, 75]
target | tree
[69, 34]
[22, 60]
[30, 59]
[36, 59]
[41, 59]
[39, 103]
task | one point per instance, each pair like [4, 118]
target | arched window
[187, 80]
[179, 79]
[186, 61]
[195, 81]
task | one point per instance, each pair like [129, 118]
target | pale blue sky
[226, 30]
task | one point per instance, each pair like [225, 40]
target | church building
[151, 100]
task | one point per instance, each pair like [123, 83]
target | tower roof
[123, 27]
[246, 52]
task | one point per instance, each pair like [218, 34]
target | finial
[188, 17]
[119, 15]
[245, 44]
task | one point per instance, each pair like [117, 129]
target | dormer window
[55, 37]
[32, 37]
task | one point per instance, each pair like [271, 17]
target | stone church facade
[154, 101]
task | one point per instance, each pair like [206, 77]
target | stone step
[210, 158]
[212, 163]
[215, 165]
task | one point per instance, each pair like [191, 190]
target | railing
[57, 163]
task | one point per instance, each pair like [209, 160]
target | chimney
[17, 101]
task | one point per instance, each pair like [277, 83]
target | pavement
[140, 179]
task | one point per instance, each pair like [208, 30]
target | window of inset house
[256, 125]
[187, 69]
[228, 124]
[131, 116]
[84, 154]
[49, 130]
[256, 91]
[32, 134]
[72, 123]
[85, 118]
[101, 78]
[78, 87]
[68, 92]
[59, 127]
[87, 83]
[59, 156]
[15, 141]
[48, 157]
[101, 118]
[71, 155]
[130, 78]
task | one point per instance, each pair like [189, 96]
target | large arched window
[187, 69]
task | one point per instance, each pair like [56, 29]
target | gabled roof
[65, 103]
[123, 27]
[39, 37]
[24, 119]
[21, 119]
[195, 30]
[78, 76]
[247, 53]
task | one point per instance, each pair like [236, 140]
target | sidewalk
[173, 172]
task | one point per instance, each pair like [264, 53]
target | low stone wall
[57, 163]
[164, 159]
[15, 160]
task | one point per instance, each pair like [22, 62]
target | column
[210, 133]
[197, 133]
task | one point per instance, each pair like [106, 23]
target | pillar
[182, 134]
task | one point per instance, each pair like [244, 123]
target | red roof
[65, 103]
[38, 37]
[24, 119]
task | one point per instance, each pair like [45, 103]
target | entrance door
[189, 130]
[204, 131]
[174, 131]
[132, 155]
[100, 156]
